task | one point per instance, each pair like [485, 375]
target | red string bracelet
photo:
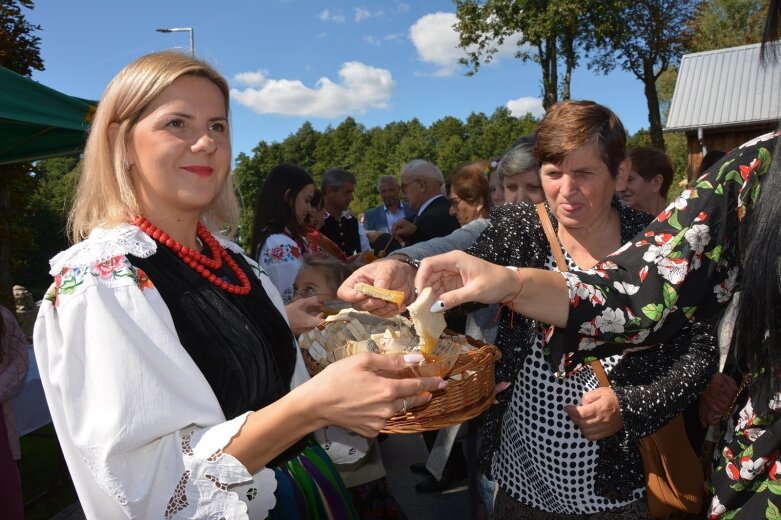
[509, 303]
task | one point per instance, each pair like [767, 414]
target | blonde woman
[174, 382]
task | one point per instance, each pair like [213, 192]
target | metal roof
[725, 87]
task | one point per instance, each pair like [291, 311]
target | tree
[20, 52]
[644, 37]
[20, 49]
[448, 143]
[550, 29]
[54, 183]
[718, 24]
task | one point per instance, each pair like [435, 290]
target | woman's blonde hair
[105, 195]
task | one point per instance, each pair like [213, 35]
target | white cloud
[392, 37]
[401, 7]
[437, 43]
[362, 14]
[361, 88]
[326, 16]
[252, 79]
[521, 106]
[371, 40]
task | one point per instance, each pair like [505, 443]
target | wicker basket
[470, 391]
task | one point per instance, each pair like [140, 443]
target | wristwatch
[408, 261]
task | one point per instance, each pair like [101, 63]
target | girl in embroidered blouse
[282, 208]
[721, 235]
[174, 383]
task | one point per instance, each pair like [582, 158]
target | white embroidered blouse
[139, 426]
[281, 258]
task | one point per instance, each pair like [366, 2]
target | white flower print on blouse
[749, 468]
[725, 289]
[698, 236]
[611, 320]
[660, 251]
[589, 293]
[673, 270]
[626, 288]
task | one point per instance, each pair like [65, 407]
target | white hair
[423, 169]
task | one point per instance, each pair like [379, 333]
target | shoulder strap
[555, 247]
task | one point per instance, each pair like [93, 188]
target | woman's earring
[127, 166]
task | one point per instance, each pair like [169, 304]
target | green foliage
[552, 32]
[644, 37]
[19, 52]
[53, 184]
[372, 153]
[677, 150]
[20, 48]
[718, 24]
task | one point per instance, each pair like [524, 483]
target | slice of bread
[428, 325]
[388, 295]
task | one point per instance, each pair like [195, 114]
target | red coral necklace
[198, 262]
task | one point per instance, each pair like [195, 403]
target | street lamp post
[182, 29]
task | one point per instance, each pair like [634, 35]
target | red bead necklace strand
[197, 261]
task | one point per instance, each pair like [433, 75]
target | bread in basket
[467, 363]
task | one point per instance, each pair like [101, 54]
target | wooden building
[724, 98]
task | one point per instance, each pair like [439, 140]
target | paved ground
[398, 452]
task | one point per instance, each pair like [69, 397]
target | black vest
[344, 232]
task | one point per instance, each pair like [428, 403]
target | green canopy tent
[37, 122]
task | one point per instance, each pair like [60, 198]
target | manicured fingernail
[442, 384]
[438, 306]
[413, 358]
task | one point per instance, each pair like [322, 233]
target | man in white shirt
[381, 218]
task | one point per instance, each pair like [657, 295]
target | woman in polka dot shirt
[563, 447]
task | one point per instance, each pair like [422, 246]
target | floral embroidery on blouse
[114, 269]
[281, 254]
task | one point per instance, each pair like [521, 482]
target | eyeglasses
[308, 292]
[454, 201]
[405, 184]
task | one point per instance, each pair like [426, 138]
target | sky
[292, 61]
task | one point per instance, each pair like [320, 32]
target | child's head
[320, 276]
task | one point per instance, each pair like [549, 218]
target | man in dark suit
[422, 188]
[381, 218]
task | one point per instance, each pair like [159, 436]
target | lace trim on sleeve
[214, 484]
[102, 245]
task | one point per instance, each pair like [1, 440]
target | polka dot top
[544, 460]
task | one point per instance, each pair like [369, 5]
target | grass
[46, 484]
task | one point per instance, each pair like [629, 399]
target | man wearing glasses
[421, 187]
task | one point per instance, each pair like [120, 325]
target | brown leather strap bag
[674, 479]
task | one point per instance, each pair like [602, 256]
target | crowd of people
[169, 358]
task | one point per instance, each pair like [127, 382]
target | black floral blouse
[651, 386]
[684, 268]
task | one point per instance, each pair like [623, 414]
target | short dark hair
[569, 125]
[648, 162]
[334, 178]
